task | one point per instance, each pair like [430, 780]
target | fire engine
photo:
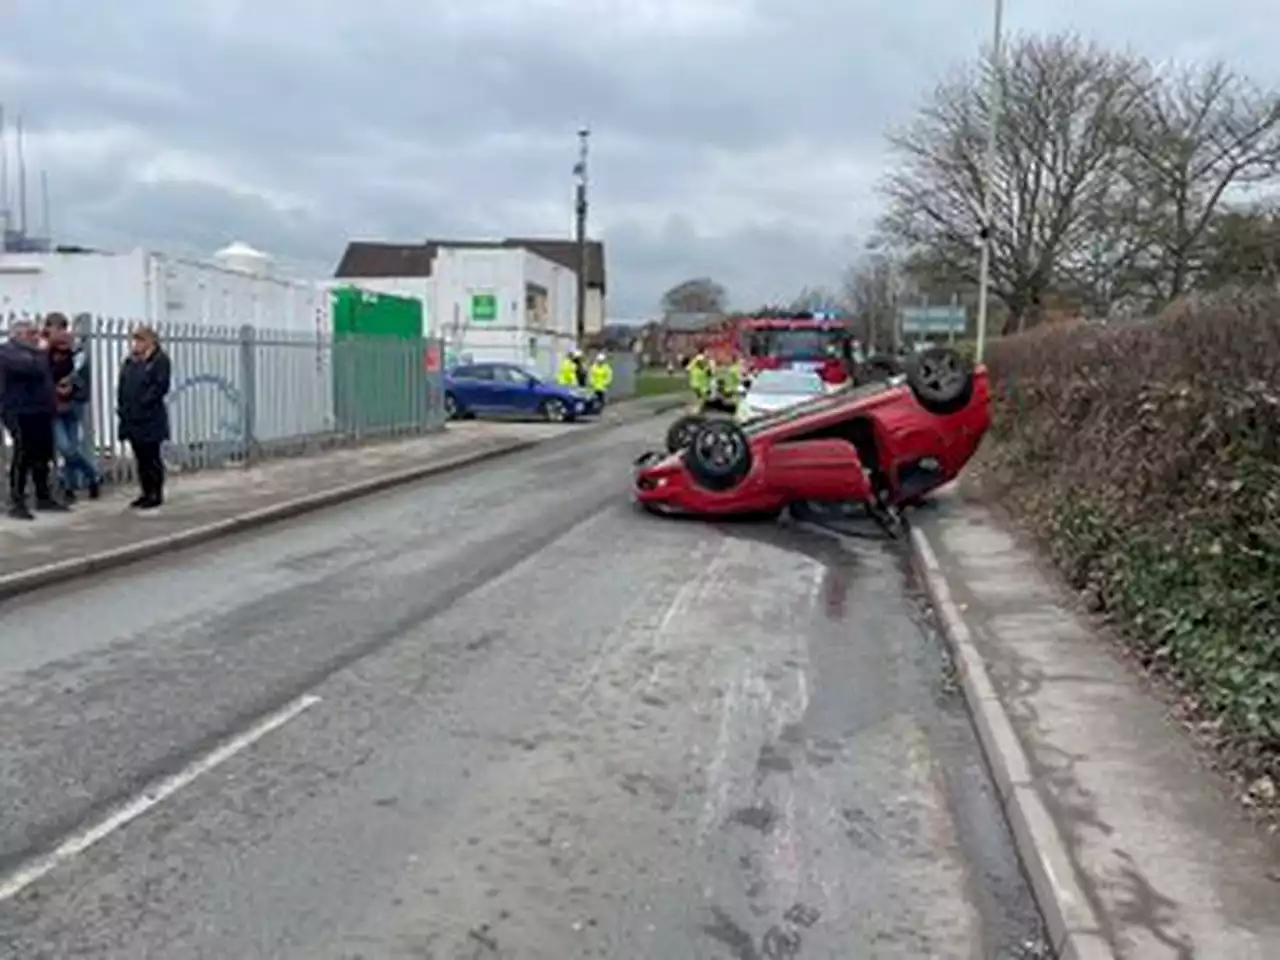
[779, 340]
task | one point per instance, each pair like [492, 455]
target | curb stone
[1075, 930]
[37, 578]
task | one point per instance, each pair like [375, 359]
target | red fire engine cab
[813, 341]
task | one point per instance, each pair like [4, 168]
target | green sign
[484, 307]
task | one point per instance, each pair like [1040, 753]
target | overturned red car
[885, 444]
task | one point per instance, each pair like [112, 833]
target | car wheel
[680, 434]
[451, 411]
[554, 411]
[941, 379]
[719, 457]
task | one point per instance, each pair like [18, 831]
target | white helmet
[601, 358]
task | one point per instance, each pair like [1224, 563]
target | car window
[787, 381]
[479, 372]
[513, 375]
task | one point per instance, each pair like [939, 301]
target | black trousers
[150, 468]
[32, 435]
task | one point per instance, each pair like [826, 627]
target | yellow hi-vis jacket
[600, 376]
[568, 375]
[700, 377]
[732, 378]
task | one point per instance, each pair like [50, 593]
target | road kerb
[1074, 926]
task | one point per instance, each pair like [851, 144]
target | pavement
[1135, 846]
[212, 503]
[499, 714]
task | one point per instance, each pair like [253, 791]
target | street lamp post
[993, 123]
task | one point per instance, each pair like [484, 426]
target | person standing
[141, 396]
[567, 375]
[71, 377]
[27, 406]
[601, 375]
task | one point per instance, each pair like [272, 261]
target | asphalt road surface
[498, 715]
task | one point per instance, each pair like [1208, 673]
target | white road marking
[25, 875]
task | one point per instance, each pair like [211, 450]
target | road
[498, 715]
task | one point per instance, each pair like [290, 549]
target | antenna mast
[4, 179]
[46, 229]
[22, 180]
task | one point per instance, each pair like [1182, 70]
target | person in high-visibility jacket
[701, 376]
[731, 379]
[600, 377]
[567, 376]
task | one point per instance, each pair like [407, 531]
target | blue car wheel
[555, 411]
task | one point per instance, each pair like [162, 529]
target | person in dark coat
[73, 383]
[28, 403]
[144, 415]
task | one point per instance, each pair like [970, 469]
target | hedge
[1147, 459]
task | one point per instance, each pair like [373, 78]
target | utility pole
[580, 172]
[989, 172]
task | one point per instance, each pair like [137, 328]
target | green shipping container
[380, 385]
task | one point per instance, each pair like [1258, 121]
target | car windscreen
[815, 404]
[831, 400]
[776, 382]
[791, 346]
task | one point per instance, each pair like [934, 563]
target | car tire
[451, 409]
[719, 458]
[680, 434]
[941, 380]
[555, 411]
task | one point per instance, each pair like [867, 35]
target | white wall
[293, 382]
[595, 310]
[112, 285]
[512, 336]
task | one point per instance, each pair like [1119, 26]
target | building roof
[691, 322]
[370, 258]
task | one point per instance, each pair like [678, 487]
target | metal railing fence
[239, 395]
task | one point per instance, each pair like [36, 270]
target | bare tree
[813, 298]
[1198, 132]
[699, 295]
[870, 292]
[1067, 110]
[1242, 247]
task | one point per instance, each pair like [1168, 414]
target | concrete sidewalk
[1151, 840]
[201, 506]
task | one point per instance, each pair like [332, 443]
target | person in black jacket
[27, 406]
[144, 416]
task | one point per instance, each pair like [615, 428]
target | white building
[514, 301]
[199, 309]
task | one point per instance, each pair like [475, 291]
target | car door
[474, 386]
[511, 390]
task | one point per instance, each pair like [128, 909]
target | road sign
[933, 320]
[484, 307]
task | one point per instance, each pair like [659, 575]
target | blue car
[505, 389]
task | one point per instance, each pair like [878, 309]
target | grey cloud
[392, 121]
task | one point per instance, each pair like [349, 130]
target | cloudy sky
[737, 138]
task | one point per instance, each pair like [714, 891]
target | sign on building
[930, 321]
[484, 307]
